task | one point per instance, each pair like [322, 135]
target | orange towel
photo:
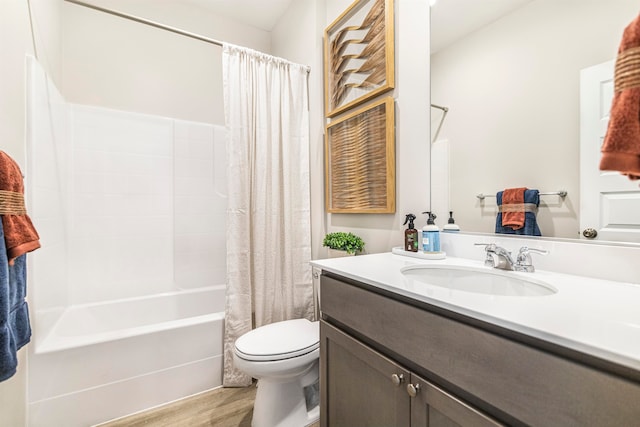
[621, 148]
[513, 208]
[19, 233]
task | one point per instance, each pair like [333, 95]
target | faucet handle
[526, 250]
[523, 262]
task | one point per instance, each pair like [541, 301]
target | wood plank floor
[221, 407]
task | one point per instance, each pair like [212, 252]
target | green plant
[344, 242]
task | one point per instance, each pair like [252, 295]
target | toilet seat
[279, 341]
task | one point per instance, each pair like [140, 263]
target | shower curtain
[268, 214]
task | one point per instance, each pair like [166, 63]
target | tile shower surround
[127, 205]
[134, 203]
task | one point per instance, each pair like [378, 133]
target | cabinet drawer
[507, 377]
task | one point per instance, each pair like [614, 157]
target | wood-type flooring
[221, 407]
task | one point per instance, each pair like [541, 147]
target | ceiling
[263, 14]
[450, 19]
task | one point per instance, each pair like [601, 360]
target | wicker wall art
[360, 160]
[358, 55]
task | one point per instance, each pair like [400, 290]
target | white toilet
[284, 357]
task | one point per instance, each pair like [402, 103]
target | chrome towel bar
[560, 193]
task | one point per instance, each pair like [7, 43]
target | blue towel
[530, 224]
[15, 330]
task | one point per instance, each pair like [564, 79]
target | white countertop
[597, 317]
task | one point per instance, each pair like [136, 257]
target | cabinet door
[434, 407]
[359, 386]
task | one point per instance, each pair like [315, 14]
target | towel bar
[560, 193]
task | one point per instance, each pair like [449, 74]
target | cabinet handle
[397, 379]
[413, 389]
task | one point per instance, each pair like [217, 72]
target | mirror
[508, 71]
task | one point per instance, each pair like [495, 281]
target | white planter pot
[336, 253]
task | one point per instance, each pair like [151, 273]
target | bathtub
[107, 360]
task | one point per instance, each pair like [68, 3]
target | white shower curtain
[268, 214]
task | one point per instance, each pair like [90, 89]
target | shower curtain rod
[146, 22]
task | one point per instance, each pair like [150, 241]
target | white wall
[292, 40]
[113, 62]
[16, 39]
[305, 47]
[513, 93]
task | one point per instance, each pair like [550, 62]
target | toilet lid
[280, 340]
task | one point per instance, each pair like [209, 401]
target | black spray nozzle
[431, 219]
[409, 218]
[451, 220]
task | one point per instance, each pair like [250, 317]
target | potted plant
[342, 244]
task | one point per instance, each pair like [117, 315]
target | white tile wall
[126, 204]
[121, 237]
[200, 204]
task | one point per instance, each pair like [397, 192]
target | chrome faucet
[499, 257]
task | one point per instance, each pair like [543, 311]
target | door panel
[357, 387]
[609, 201]
[434, 407]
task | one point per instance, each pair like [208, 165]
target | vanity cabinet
[364, 388]
[375, 343]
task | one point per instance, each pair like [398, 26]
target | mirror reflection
[509, 74]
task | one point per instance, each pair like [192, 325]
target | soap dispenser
[430, 234]
[451, 226]
[410, 234]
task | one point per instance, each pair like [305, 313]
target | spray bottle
[430, 234]
[410, 234]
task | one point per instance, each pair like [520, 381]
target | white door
[609, 202]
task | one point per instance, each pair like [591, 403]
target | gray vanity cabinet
[361, 387]
[375, 343]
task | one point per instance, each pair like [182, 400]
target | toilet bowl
[284, 357]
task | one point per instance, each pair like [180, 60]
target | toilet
[284, 357]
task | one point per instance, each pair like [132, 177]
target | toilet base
[282, 404]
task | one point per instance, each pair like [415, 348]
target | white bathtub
[106, 360]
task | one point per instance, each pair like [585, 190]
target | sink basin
[478, 280]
